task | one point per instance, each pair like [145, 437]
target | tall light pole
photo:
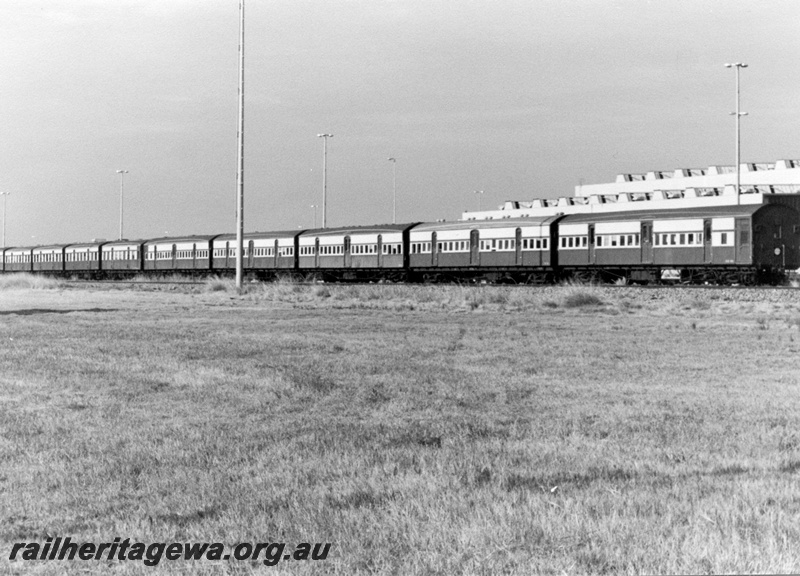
[240, 159]
[314, 206]
[324, 177]
[738, 115]
[394, 189]
[5, 196]
[121, 189]
[479, 193]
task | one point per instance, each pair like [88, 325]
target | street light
[5, 196]
[240, 159]
[314, 206]
[738, 115]
[121, 188]
[479, 193]
[324, 177]
[394, 189]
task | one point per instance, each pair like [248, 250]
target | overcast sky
[520, 98]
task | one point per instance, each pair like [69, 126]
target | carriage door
[744, 250]
[474, 248]
[275, 254]
[347, 258]
[591, 244]
[250, 252]
[518, 246]
[434, 250]
[647, 242]
[227, 253]
[380, 250]
[194, 256]
[707, 253]
[174, 254]
[316, 252]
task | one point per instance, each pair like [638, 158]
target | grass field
[421, 430]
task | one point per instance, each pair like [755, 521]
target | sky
[521, 99]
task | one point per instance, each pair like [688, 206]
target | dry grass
[422, 430]
[25, 281]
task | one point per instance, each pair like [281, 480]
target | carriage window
[723, 238]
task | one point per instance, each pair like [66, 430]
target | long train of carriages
[742, 244]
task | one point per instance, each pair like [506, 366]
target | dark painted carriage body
[48, 258]
[509, 243]
[179, 254]
[757, 236]
[123, 256]
[381, 247]
[18, 259]
[263, 251]
[83, 257]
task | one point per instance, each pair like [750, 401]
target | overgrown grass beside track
[421, 429]
[23, 281]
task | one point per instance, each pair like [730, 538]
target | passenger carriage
[18, 260]
[719, 244]
[188, 254]
[264, 252]
[515, 248]
[123, 257]
[359, 252]
[83, 257]
[48, 258]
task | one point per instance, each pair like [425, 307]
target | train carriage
[178, 254]
[357, 251]
[515, 247]
[48, 258]
[720, 244]
[123, 257]
[18, 259]
[83, 257]
[444, 245]
[264, 252]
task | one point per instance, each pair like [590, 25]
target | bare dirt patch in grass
[654, 433]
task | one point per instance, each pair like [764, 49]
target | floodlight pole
[5, 197]
[324, 177]
[240, 159]
[394, 189]
[738, 115]
[121, 188]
